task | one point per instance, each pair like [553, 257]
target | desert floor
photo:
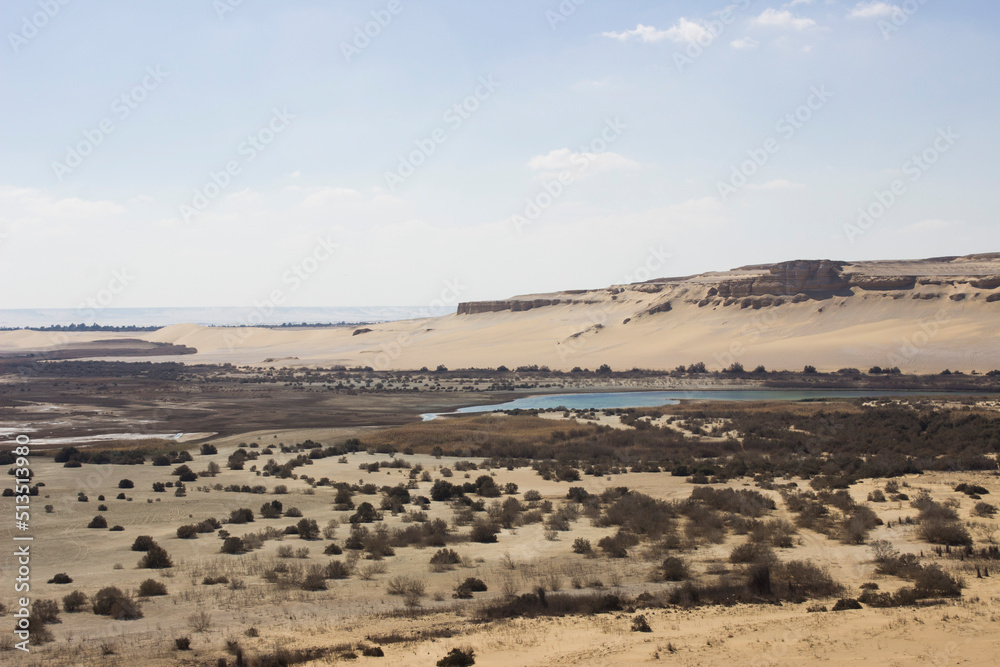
[359, 610]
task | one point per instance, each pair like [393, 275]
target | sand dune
[922, 316]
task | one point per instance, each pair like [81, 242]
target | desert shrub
[242, 515]
[640, 624]
[444, 559]
[674, 569]
[102, 507]
[156, 558]
[200, 622]
[152, 587]
[126, 484]
[804, 578]
[984, 509]
[846, 603]
[857, 524]
[778, 533]
[484, 531]
[582, 546]
[211, 581]
[182, 643]
[117, 529]
[308, 529]
[458, 658]
[932, 581]
[337, 569]
[366, 513]
[882, 550]
[372, 651]
[535, 604]
[751, 552]
[314, 581]
[941, 531]
[271, 510]
[617, 545]
[640, 514]
[74, 602]
[332, 549]
[187, 532]
[747, 502]
[46, 611]
[232, 545]
[972, 489]
[471, 585]
[704, 523]
[906, 566]
[876, 496]
[98, 522]
[293, 512]
[61, 578]
[39, 633]
[111, 601]
[405, 586]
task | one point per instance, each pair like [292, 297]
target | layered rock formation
[764, 285]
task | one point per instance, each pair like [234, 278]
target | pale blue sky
[893, 75]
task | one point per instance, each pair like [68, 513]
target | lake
[648, 399]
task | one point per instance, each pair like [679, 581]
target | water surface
[648, 399]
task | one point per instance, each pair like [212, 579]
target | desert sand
[961, 631]
[921, 316]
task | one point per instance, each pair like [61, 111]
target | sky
[393, 152]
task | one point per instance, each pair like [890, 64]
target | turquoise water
[647, 399]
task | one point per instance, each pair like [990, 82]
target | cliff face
[788, 278]
[515, 305]
[765, 285]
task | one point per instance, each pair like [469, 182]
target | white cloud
[797, 2]
[744, 43]
[777, 184]
[28, 208]
[563, 159]
[872, 9]
[782, 19]
[684, 31]
[932, 225]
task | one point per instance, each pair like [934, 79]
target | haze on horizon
[211, 152]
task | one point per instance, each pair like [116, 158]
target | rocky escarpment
[788, 278]
[764, 285]
[515, 305]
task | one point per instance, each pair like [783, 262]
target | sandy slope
[943, 320]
